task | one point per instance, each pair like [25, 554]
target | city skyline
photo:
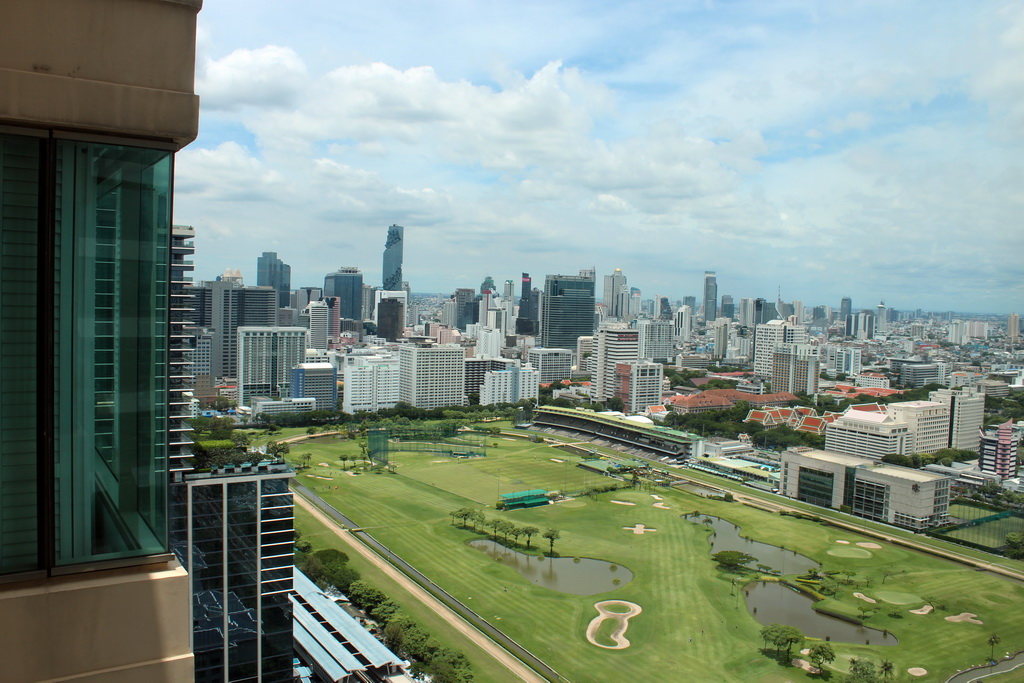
[832, 149]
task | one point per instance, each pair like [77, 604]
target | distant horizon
[827, 148]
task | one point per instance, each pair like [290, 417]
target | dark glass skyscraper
[347, 285]
[568, 311]
[275, 273]
[845, 308]
[710, 295]
[392, 270]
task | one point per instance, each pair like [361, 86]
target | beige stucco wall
[113, 66]
[129, 624]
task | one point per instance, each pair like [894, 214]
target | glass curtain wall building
[568, 310]
[392, 263]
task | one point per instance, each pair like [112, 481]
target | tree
[495, 525]
[993, 640]
[530, 532]
[277, 449]
[732, 560]
[788, 636]
[478, 518]
[861, 671]
[887, 669]
[552, 535]
[1014, 546]
[821, 654]
[306, 457]
[770, 634]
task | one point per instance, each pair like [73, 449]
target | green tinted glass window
[112, 222]
[19, 286]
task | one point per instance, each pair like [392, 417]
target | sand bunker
[870, 546]
[351, 473]
[969, 617]
[639, 529]
[317, 476]
[556, 460]
[927, 609]
[656, 497]
[806, 666]
[618, 635]
[622, 502]
[917, 671]
[865, 598]
[843, 542]
[662, 506]
[323, 464]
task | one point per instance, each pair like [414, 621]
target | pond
[771, 602]
[565, 574]
[726, 536]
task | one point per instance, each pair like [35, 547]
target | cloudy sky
[866, 148]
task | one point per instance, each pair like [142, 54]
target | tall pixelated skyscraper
[275, 273]
[710, 295]
[392, 278]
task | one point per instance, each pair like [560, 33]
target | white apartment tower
[554, 365]
[966, 415]
[928, 422]
[489, 342]
[795, 369]
[510, 385]
[655, 339]
[683, 324]
[615, 343]
[371, 383]
[638, 384]
[721, 331]
[319, 324]
[266, 356]
[770, 335]
[432, 376]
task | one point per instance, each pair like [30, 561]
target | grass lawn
[682, 595]
[485, 668]
[968, 512]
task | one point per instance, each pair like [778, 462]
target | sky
[871, 149]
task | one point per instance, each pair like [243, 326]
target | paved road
[514, 666]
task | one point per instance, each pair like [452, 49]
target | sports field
[694, 623]
[960, 511]
[989, 534]
[509, 467]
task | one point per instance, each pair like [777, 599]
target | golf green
[897, 598]
[849, 552]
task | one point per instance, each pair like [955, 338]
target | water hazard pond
[770, 602]
[565, 574]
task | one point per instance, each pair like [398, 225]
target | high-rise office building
[528, 321]
[318, 314]
[465, 307]
[224, 306]
[390, 315]
[1013, 327]
[87, 147]
[274, 273]
[721, 330]
[690, 301]
[568, 309]
[710, 295]
[728, 307]
[614, 286]
[392, 262]
[233, 531]
[615, 343]
[346, 284]
[845, 307]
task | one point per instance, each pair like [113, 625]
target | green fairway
[693, 623]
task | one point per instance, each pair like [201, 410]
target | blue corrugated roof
[350, 629]
[324, 659]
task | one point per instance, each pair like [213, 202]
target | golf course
[667, 611]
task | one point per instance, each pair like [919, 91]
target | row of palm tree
[503, 528]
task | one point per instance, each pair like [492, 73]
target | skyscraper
[615, 344]
[771, 335]
[845, 308]
[728, 307]
[568, 310]
[616, 294]
[527, 321]
[274, 273]
[266, 356]
[432, 376]
[710, 295]
[392, 270]
[346, 284]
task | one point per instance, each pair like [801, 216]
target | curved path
[618, 635]
[510, 662]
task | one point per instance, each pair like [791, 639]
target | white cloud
[270, 76]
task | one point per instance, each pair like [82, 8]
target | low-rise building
[263, 406]
[902, 496]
